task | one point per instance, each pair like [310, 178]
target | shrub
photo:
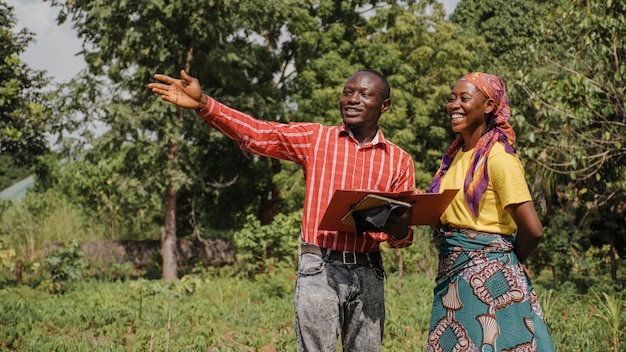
[65, 264]
[262, 247]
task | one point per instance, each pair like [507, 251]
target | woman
[484, 301]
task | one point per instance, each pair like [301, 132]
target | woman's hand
[529, 229]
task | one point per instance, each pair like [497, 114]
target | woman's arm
[529, 229]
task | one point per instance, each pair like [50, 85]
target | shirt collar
[378, 138]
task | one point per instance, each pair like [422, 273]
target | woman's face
[467, 107]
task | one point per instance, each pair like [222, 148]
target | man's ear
[385, 106]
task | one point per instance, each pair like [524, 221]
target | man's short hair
[386, 87]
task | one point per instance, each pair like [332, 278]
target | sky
[55, 48]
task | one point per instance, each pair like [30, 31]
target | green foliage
[581, 105]
[580, 115]
[222, 314]
[572, 249]
[262, 247]
[10, 173]
[555, 250]
[419, 258]
[7, 256]
[65, 264]
[151, 146]
[113, 271]
[111, 191]
[584, 322]
[45, 217]
[24, 118]
[508, 30]
[610, 311]
[230, 313]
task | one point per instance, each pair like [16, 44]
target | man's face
[363, 100]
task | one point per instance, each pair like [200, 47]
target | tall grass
[609, 311]
[220, 311]
[28, 224]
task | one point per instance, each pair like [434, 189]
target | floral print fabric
[484, 301]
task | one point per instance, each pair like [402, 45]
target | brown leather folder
[426, 207]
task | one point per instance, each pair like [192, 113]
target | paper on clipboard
[426, 207]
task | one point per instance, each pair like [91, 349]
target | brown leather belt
[373, 259]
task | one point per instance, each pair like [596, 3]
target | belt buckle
[347, 256]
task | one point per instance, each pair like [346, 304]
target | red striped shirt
[331, 159]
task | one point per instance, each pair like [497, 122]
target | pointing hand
[185, 92]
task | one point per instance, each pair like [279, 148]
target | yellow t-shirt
[506, 186]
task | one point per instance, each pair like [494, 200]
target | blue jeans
[333, 299]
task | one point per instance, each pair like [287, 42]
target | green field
[219, 311]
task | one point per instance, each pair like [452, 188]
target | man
[340, 288]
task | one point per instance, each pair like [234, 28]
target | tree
[582, 100]
[563, 64]
[508, 30]
[280, 60]
[580, 113]
[411, 43]
[128, 42]
[24, 118]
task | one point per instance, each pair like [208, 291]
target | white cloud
[449, 5]
[54, 47]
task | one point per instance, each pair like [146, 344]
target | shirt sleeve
[507, 176]
[267, 138]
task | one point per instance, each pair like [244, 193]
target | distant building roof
[18, 190]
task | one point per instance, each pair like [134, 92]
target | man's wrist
[203, 101]
[399, 236]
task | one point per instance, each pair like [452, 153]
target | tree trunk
[168, 236]
[613, 254]
[18, 271]
[168, 231]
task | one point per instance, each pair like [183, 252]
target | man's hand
[185, 92]
[398, 223]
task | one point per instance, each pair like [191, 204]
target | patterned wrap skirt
[484, 301]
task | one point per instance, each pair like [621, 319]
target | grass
[221, 310]
[203, 312]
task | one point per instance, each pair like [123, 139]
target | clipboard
[426, 207]
[371, 201]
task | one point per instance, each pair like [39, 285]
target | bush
[65, 264]
[263, 247]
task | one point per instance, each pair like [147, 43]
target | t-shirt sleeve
[507, 176]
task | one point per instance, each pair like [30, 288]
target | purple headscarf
[477, 178]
